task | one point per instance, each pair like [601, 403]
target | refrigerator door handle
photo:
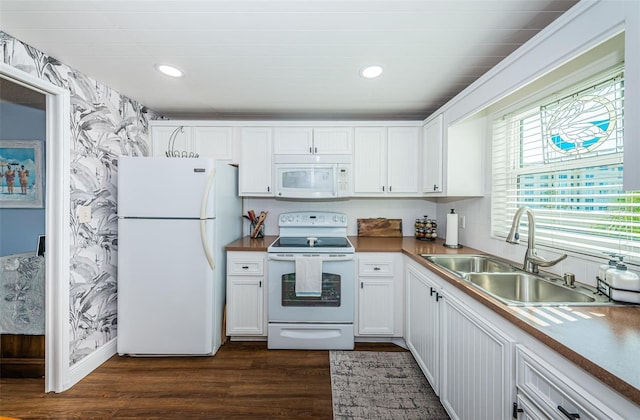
[203, 215]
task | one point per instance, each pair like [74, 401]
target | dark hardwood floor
[243, 381]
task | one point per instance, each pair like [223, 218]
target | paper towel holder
[456, 245]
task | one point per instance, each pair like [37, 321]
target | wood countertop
[604, 340]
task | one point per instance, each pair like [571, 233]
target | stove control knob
[290, 218]
[343, 219]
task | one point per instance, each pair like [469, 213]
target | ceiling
[272, 59]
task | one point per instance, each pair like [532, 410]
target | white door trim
[57, 225]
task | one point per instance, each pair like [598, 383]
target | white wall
[355, 208]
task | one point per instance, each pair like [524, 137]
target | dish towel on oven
[308, 276]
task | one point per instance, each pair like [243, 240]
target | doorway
[22, 223]
[56, 221]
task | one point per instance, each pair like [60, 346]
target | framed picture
[40, 250]
[21, 174]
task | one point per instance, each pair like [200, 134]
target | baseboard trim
[90, 363]
[398, 341]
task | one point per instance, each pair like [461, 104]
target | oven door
[336, 304]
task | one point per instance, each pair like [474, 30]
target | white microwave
[312, 180]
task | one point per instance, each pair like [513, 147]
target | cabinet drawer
[375, 268]
[246, 267]
[553, 392]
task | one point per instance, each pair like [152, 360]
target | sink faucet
[531, 259]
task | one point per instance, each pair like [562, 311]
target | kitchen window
[562, 157]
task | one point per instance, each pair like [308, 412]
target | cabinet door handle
[383, 188]
[516, 410]
[315, 150]
[431, 291]
[435, 187]
[310, 150]
[260, 284]
[438, 296]
[376, 268]
[268, 189]
[390, 188]
[569, 415]
[245, 267]
[362, 285]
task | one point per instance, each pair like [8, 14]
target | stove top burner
[303, 242]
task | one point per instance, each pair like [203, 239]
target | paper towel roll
[451, 238]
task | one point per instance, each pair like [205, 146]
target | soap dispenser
[603, 268]
[624, 284]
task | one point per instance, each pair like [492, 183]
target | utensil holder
[259, 233]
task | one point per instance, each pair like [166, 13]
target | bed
[22, 315]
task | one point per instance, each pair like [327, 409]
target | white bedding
[22, 294]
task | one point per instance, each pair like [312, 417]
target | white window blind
[562, 157]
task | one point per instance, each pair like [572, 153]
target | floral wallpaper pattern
[104, 125]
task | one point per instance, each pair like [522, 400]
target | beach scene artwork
[20, 174]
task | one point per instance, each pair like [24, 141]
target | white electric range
[322, 320]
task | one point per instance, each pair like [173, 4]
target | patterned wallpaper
[104, 125]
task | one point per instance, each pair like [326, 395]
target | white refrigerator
[175, 216]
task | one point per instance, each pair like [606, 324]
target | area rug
[381, 385]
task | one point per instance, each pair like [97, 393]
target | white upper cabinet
[185, 141]
[314, 141]
[403, 146]
[453, 158]
[255, 174]
[432, 156]
[386, 161]
[214, 142]
[169, 140]
[370, 160]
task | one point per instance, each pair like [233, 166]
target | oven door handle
[291, 257]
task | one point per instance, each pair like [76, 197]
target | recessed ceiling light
[171, 71]
[371, 72]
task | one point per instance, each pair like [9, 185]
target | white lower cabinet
[467, 361]
[484, 367]
[246, 297]
[380, 294]
[549, 393]
[422, 329]
[476, 363]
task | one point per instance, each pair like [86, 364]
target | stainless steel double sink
[514, 286]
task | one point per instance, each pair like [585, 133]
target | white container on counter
[603, 268]
[621, 278]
